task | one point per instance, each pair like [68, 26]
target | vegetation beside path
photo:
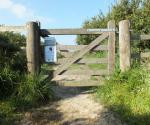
[18, 90]
[127, 94]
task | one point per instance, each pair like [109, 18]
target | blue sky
[52, 13]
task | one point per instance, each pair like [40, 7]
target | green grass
[127, 94]
[19, 91]
[32, 91]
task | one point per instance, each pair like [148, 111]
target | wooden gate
[79, 56]
[84, 76]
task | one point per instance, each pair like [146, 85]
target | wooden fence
[33, 51]
[75, 54]
[125, 39]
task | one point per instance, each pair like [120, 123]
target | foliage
[11, 53]
[12, 62]
[18, 90]
[9, 80]
[128, 94]
[32, 91]
[13, 38]
[137, 11]
[99, 21]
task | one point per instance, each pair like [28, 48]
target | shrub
[32, 91]
[18, 90]
[9, 80]
[128, 94]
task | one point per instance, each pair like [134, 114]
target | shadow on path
[74, 106]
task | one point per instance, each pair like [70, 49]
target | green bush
[12, 62]
[32, 91]
[9, 80]
[128, 94]
[18, 90]
[11, 53]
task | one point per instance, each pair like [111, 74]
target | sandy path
[75, 107]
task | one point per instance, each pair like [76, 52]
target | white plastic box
[50, 50]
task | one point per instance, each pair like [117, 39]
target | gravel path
[75, 107]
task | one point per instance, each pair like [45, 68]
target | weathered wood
[32, 49]
[140, 37]
[141, 55]
[111, 47]
[135, 55]
[145, 55]
[74, 66]
[79, 47]
[145, 37]
[124, 45]
[71, 77]
[12, 28]
[80, 83]
[87, 72]
[81, 53]
[66, 54]
[86, 61]
[74, 31]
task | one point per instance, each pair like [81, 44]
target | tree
[137, 11]
[11, 53]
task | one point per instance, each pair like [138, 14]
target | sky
[52, 13]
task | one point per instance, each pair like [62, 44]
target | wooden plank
[140, 37]
[141, 55]
[111, 47]
[87, 72]
[66, 54]
[145, 55]
[80, 83]
[77, 31]
[86, 61]
[135, 55]
[79, 47]
[71, 77]
[12, 28]
[74, 66]
[81, 53]
[124, 45]
[145, 37]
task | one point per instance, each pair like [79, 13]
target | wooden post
[32, 49]
[124, 45]
[111, 47]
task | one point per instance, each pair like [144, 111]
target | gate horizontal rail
[74, 31]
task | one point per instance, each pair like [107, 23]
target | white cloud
[19, 10]
[23, 12]
[6, 4]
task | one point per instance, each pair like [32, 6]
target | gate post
[33, 47]
[111, 47]
[124, 45]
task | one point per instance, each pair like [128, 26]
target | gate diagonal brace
[79, 55]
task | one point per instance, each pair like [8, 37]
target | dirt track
[75, 107]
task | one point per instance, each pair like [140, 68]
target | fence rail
[87, 61]
[12, 28]
[140, 37]
[79, 31]
[79, 47]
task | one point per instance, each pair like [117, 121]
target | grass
[32, 91]
[19, 91]
[127, 94]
